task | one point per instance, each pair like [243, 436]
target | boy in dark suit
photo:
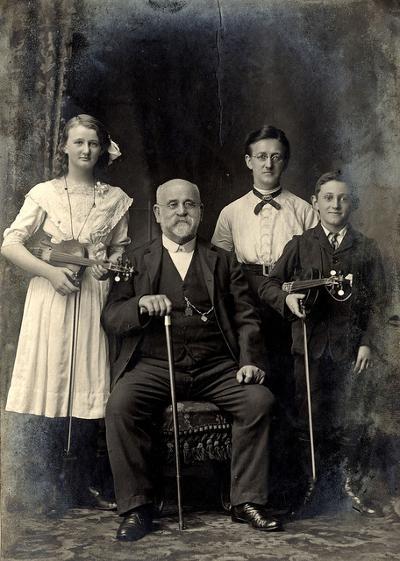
[341, 334]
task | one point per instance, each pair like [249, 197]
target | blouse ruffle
[48, 201]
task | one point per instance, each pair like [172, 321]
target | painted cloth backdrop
[180, 83]
[36, 42]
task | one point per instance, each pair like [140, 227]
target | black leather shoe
[99, 502]
[135, 525]
[255, 516]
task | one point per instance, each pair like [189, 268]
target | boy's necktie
[333, 240]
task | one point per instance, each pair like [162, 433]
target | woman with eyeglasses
[257, 226]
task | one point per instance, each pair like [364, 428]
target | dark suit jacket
[235, 311]
[344, 326]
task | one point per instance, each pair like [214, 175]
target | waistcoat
[194, 340]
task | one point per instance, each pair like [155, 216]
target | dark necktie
[333, 240]
[265, 200]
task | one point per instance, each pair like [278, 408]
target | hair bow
[113, 152]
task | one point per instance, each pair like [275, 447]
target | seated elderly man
[218, 357]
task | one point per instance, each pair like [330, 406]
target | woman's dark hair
[336, 176]
[267, 131]
[61, 158]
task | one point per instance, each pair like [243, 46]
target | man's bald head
[174, 184]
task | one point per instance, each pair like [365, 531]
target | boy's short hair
[337, 176]
[267, 132]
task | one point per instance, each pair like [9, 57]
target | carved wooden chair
[204, 436]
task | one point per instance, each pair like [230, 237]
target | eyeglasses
[187, 205]
[263, 157]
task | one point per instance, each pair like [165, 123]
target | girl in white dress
[73, 206]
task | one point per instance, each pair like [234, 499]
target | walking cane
[309, 404]
[167, 323]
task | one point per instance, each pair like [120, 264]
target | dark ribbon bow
[266, 200]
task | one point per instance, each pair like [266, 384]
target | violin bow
[309, 401]
[75, 324]
[68, 458]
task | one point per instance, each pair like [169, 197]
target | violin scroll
[123, 269]
[339, 286]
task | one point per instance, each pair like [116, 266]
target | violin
[337, 285]
[73, 254]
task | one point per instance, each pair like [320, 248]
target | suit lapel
[322, 238]
[208, 260]
[348, 240]
[325, 248]
[152, 261]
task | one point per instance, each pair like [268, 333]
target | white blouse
[261, 238]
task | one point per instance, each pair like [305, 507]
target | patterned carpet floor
[89, 535]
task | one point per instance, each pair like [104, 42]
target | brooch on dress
[101, 188]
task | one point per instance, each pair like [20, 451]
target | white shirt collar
[174, 247]
[340, 234]
[267, 192]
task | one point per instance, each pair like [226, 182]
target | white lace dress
[41, 376]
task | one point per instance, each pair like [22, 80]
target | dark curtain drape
[35, 53]
[36, 38]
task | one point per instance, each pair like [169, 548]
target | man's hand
[155, 305]
[363, 359]
[249, 374]
[293, 303]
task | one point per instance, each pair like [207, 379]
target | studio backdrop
[179, 83]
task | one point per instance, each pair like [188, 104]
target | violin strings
[311, 283]
[76, 260]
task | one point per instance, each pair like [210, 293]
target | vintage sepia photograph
[200, 280]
